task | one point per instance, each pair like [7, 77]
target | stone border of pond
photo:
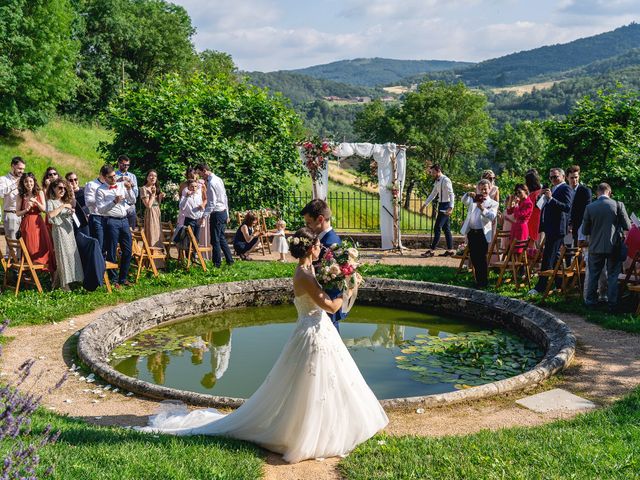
[99, 338]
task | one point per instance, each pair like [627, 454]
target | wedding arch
[392, 163]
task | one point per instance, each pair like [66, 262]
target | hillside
[303, 89]
[525, 66]
[374, 72]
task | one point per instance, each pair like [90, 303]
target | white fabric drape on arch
[381, 154]
[320, 188]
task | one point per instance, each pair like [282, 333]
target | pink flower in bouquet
[325, 147]
[347, 269]
[328, 255]
[307, 145]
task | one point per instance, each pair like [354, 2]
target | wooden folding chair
[108, 266]
[166, 230]
[496, 248]
[566, 273]
[535, 263]
[635, 289]
[195, 247]
[264, 239]
[631, 275]
[515, 260]
[143, 254]
[465, 265]
[20, 261]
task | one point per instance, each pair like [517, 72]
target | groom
[317, 217]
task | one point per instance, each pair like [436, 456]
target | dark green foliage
[601, 135]
[523, 66]
[216, 64]
[377, 71]
[327, 120]
[305, 88]
[37, 57]
[127, 42]
[516, 149]
[246, 136]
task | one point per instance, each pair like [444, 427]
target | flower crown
[299, 240]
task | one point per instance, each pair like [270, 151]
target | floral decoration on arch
[316, 155]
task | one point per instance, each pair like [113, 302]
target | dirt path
[607, 365]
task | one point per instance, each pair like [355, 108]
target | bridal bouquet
[338, 271]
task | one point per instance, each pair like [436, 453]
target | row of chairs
[569, 268]
[144, 257]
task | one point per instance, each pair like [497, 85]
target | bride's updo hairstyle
[301, 241]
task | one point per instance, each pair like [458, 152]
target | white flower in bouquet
[353, 253]
[334, 270]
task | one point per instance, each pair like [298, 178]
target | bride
[314, 403]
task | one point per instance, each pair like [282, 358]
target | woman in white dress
[314, 403]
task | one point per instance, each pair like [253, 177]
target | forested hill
[302, 89]
[374, 72]
[522, 66]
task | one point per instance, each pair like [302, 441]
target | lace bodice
[308, 311]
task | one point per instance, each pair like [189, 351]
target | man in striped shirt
[443, 189]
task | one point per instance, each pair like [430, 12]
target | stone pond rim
[99, 338]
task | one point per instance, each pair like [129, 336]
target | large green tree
[127, 42]
[246, 136]
[516, 149]
[447, 124]
[37, 57]
[602, 135]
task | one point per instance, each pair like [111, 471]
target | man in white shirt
[124, 175]
[443, 189]
[96, 221]
[111, 202]
[9, 194]
[478, 227]
[217, 210]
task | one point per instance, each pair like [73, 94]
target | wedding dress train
[313, 404]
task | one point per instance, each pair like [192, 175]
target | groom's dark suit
[326, 241]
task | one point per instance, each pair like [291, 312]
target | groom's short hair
[315, 208]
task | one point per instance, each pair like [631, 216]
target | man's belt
[9, 211]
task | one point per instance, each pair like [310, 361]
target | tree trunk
[407, 195]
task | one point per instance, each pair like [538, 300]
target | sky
[268, 35]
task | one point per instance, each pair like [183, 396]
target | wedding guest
[124, 175]
[79, 204]
[532, 180]
[633, 239]
[192, 206]
[9, 194]
[554, 223]
[217, 211]
[519, 211]
[205, 234]
[96, 221]
[478, 227]
[50, 174]
[111, 202]
[151, 195]
[581, 198]
[33, 230]
[603, 285]
[494, 192]
[280, 243]
[601, 220]
[247, 236]
[443, 189]
[60, 213]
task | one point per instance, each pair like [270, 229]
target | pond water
[400, 353]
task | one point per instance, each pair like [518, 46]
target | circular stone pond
[401, 353]
[413, 341]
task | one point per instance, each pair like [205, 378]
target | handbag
[619, 250]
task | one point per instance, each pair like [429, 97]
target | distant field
[522, 89]
[397, 90]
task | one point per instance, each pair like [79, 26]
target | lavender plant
[16, 408]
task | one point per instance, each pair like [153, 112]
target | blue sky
[271, 35]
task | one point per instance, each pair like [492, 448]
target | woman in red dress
[532, 179]
[519, 212]
[33, 230]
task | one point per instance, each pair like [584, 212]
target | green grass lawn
[604, 444]
[74, 146]
[86, 452]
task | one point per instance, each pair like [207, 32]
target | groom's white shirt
[488, 213]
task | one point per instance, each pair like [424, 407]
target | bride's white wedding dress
[313, 404]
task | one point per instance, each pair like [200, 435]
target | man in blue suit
[317, 217]
[554, 222]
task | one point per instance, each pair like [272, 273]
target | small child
[279, 240]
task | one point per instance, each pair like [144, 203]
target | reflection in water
[385, 335]
[157, 365]
[220, 346]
